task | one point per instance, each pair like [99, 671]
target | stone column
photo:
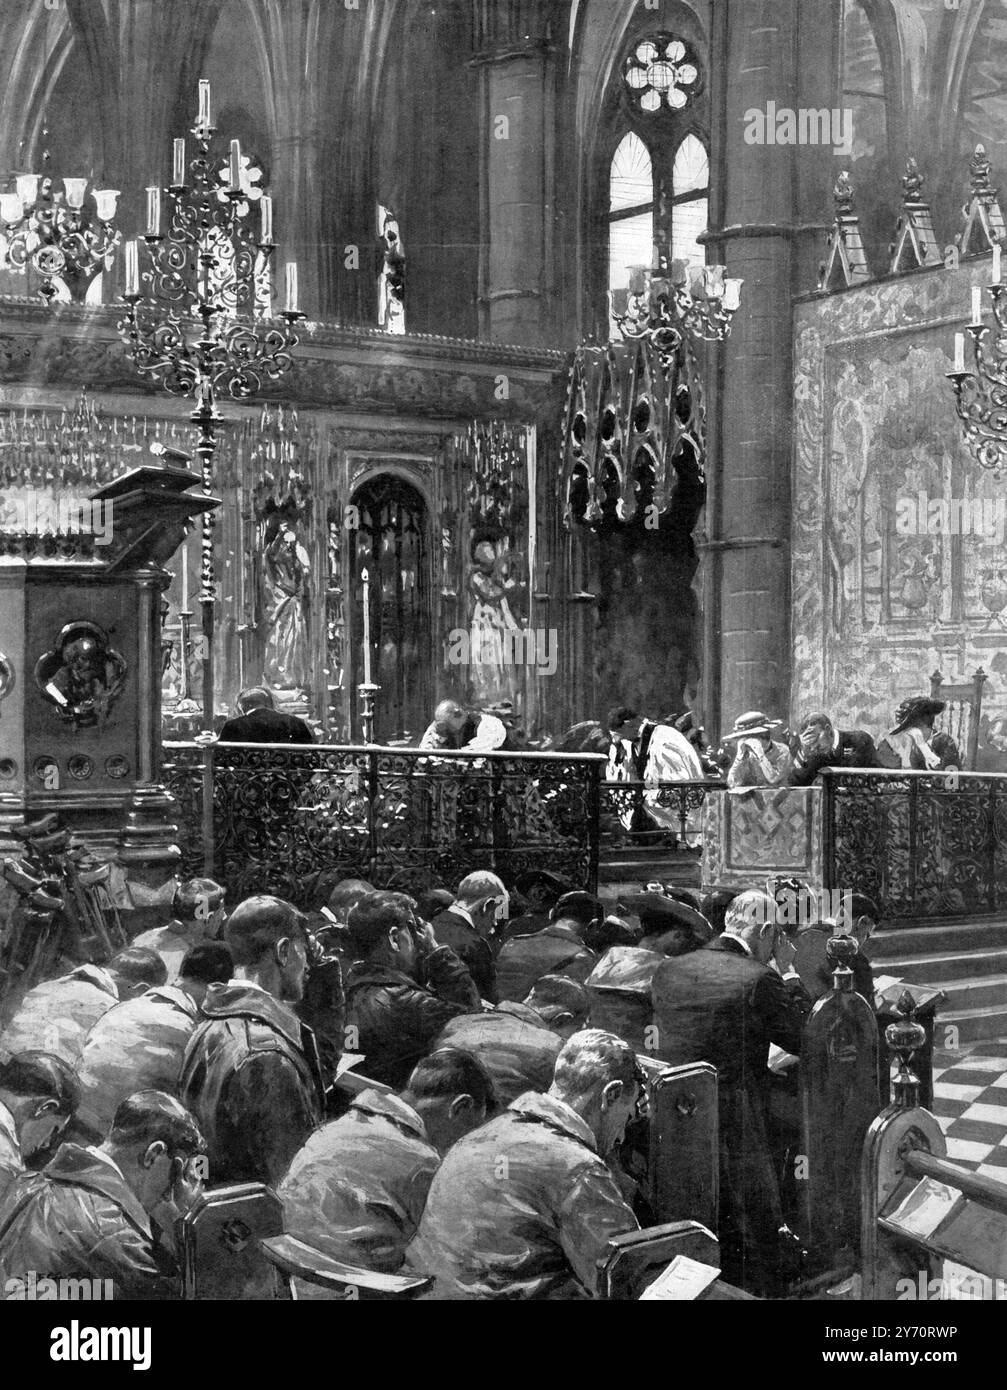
[758, 54]
[142, 57]
[514, 56]
[294, 44]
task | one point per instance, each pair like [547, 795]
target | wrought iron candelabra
[660, 305]
[981, 389]
[203, 325]
[56, 234]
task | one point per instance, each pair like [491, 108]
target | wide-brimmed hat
[752, 724]
[658, 913]
[916, 707]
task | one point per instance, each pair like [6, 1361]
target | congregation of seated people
[375, 1062]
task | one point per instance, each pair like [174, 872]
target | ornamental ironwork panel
[653, 814]
[285, 819]
[922, 845]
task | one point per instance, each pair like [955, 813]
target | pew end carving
[919, 1209]
[839, 1102]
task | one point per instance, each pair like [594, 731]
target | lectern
[80, 669]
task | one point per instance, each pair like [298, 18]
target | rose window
[661, 73]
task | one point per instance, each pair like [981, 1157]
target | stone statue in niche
[81, 676]
[495, 647]
[286, 576]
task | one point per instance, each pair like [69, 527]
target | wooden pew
[638, 1257]
[919, 1208]
[839, 1101]
[679, 1143]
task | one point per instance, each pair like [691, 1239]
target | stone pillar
[294, 44]
[514, 56]
[759, 53]
[142, 57]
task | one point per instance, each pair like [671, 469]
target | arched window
[631, 210]
[659, 175]
[690, 187]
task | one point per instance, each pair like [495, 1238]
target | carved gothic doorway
[392, 544]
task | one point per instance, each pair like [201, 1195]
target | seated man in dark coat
[467, 927]
[357, 1188]
[251, 1073]
[557, 950]
[819, 744]
[518, 1043]
[403, 990]
[724, 1005]
[524, 1207]
[93, 1212]
[259, 721]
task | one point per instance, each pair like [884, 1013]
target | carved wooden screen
[392, 544]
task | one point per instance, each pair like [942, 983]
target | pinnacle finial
[912, 182]
[843, 193]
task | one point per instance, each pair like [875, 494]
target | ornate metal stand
[203, 327]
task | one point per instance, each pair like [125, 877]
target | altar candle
[185, 576]
[153, 211]
[132, 267]
[178, 163]
[266, 213]
[292, 287]
[977, 304]
[366, 582]
[959, 352]
[236, 164]
[997, 275]
[203, 119]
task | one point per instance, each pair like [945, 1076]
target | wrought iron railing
[653, 816]
[921, 844]
[275, 818]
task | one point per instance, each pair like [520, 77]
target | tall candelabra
[661, 305]
[203, 326]
[55, 233]
[981, 390]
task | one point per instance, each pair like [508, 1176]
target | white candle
[235, 164]
[266, 213]
[185, 577]
[203, 119]
[153, 211]
[132, 267]
[959, 352]
[997, 275]
[178, 164]
[977, 304]
[292, 287]
[365, 581]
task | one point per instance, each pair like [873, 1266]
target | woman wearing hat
[758, 762]
[913, 744]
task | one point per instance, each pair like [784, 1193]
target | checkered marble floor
[970, 1100]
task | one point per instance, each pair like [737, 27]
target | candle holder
[981, 389]
[662, 306]
[56, 234]
[203, 324]
[367, 691]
